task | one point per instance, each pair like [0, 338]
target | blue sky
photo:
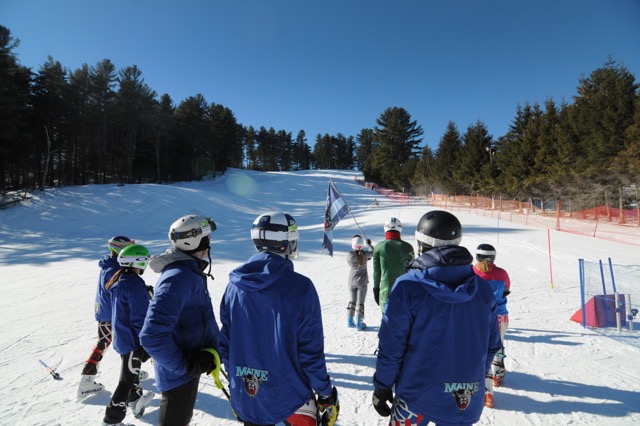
[335, 66]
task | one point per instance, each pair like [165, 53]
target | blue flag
[336, 210]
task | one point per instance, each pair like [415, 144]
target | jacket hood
[446, 273]
[160, 261]
[108, 260]
[443, 256]
[260, 271]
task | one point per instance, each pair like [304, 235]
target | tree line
[556, 150]
[577, 149]
[97, 124]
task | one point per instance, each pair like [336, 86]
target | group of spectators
[440, 350]
[439, 334]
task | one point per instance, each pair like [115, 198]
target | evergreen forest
[99, 124]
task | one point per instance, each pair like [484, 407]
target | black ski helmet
[486, 252]
[438, 228]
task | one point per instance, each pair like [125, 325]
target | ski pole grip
[215, 374]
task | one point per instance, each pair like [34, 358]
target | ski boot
[138, 406]
[350, 322]
[360, 324]
[499, 373]
[143, 375]
[488, 400]
[88, 386]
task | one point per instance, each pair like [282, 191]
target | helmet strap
[208, 273]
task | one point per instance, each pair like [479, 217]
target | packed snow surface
[559, 372]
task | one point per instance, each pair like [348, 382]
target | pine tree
[601, 113]
[16, 150]
[191, 155]
[627, 162]
[515, 151]
[477, 152]
[227, 138]
[324, 152]
[50, 92]
[284, 143]
[301, 152]
[365, 145]
[102, 83]
[78, 126]
[135, 101]
[163, 125]
[249, 142]
[423, 180]
[446, 159]
[396, 155]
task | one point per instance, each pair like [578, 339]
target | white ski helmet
[276, 233]
[190, 233]
[393, 224]
[357, 243]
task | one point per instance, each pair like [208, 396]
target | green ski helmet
[134, 256]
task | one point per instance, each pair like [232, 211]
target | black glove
[144, 355]
[376, 295]
[368, 241]
[329, 407]
[380, 398]
[506, 292]
[200, 362]
[150, 291]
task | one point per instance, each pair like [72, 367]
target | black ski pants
[128, 389]
[176, 405]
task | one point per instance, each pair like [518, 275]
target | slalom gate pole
[549, 247]
[613, 280]
[604, 291]
[616, 296]
[581, 268]
[630, 312]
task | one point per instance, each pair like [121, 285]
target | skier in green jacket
[391, 258]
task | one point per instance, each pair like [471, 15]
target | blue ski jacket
[180, 319]
[108, 266]
[271, 342]
[129, 300]
[437, 339]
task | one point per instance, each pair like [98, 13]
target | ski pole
[50, 370]
[215, 375]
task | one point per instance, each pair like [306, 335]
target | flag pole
[349, 209]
